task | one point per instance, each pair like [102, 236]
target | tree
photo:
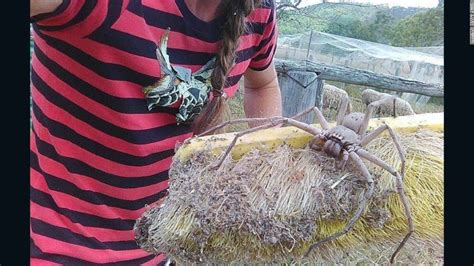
[392, 26]
[334, 16]
[381, 29]
[423, 29]
[349, 27]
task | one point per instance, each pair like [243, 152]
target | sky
[404, 3]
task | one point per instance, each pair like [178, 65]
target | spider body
[336, 142]
[345, 141]
[341, 140]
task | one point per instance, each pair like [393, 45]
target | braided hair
[235, 12]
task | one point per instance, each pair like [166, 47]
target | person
[98, 153]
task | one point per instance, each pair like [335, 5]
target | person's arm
[43, 6]
[262, 97]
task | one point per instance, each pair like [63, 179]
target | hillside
[319, 17]
[396, 26]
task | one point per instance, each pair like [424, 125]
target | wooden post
[300, 90]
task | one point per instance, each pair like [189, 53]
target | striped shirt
[98, 155]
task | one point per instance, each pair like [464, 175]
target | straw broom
[269, 207]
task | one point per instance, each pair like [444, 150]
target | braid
[235, 12]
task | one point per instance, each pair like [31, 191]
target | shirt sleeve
[68, 13]
[266, 48]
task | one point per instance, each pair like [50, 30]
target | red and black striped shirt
[98, 156]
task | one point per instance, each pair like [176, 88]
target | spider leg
[345, 157]
[303, 126]
[274, 121]
[394, 107]
[319, 116]
[361, 207]
[345, 104]
[349, 107]
[369, 111]
[401, 192]
[374, 134]
[236, 121]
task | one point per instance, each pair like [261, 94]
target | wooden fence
[301, 83]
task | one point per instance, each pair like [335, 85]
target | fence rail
[361, 77]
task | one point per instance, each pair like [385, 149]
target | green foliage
[319, 17]
[349, 27]
[381, 30]
[393, 26]
[377, 31]
[424, 29]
